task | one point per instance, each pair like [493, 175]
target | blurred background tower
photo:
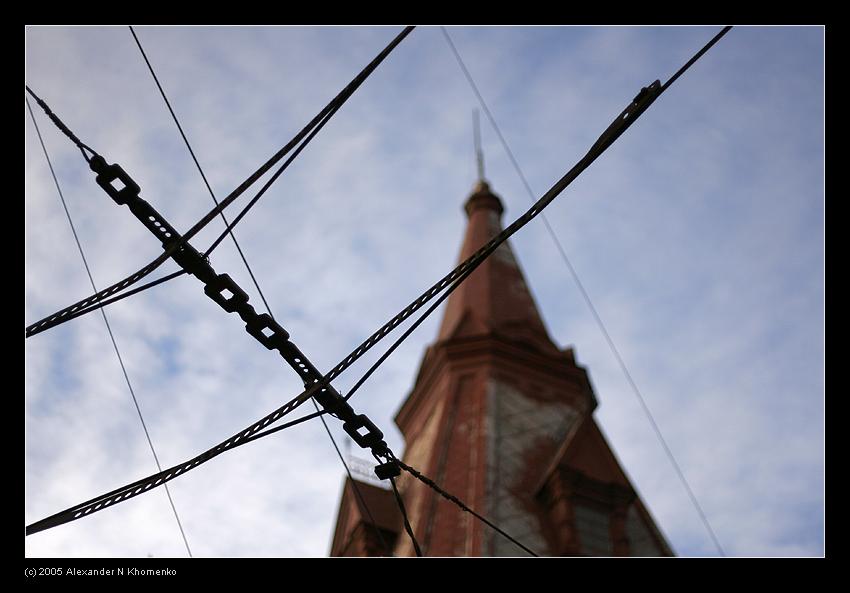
[502, 418]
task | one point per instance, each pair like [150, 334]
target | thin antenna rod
[479, 155]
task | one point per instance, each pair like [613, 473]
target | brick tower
[502, 418]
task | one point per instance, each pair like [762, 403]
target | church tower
[502, 418]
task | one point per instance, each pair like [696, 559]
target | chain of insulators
[222, 289]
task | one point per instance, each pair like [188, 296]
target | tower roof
[495, 299]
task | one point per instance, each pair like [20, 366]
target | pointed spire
[476, 138]
[495, 299]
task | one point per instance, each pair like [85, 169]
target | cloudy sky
[699, 236]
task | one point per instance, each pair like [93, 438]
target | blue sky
[698, 235]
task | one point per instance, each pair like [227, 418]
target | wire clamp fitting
[388, 470]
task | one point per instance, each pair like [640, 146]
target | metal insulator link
[114, 181]
[387, 470]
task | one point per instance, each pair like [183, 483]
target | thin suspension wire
[134, 488]
[575, 276]
[407, 526]
[354, 483]
[108, 327]
[229, 230]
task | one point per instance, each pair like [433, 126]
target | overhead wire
[108, 326]
[597, 318]
[405, 520]
[133, 489]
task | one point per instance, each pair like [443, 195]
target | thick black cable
[242, 438]
[333, 105]
[626, 118]
[696, 57]
[106, 322]
[268, 184]
[454, 499]
[409, 331]
[229, 230]
[579, 283]
[407, 526]
[61, 125]
[124, 295]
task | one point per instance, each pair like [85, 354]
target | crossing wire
[135, 488]
[229, 230]
[106, 322]
[616, 353]
[124, 295]
[302, 138]
[620, 124]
